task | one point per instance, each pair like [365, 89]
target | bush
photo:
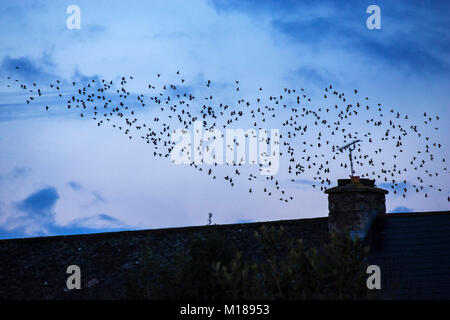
[208, 268]
[188, 274]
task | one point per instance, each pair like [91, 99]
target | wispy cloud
[401, 209]
[75, 185]
[304, 182]
[18, 172]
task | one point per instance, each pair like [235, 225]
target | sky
[62, 174]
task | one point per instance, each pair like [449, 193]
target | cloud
[316, 30]
[244, 221]
[40, 70]
[305, 182]
[80, 77]
[399, 187]
[17, 173]
[272, 44]
[252, 6]
[28, 69]
[312, 74]
[100, 221]
[75, 185]
[401, 51]
[20, 172]
[11, 234]
[401, 42]
[98, 197]
[40, 203]
[34, 214]
[401, 210]
[35, 217]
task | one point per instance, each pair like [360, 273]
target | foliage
[208, 268]
[188, 274]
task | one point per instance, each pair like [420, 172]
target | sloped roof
[412, 250]
[35, 268]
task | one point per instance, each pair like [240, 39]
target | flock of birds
[310, 132]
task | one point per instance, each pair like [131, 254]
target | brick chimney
[354, 203]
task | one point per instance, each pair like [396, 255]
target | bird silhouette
[312, 129]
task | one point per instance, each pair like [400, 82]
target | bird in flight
[311, 130]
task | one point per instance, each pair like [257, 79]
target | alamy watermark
[74, 20]
[374, 20]
[74, 280]
[207, 146]
[374, 280]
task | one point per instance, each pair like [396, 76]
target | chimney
[354, 203]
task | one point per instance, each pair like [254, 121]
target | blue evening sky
[60, 174]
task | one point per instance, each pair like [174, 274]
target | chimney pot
[355, 179]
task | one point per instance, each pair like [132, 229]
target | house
[412, 250]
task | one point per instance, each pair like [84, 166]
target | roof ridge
[416, 214]
[159, 230]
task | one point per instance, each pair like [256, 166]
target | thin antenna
[348, 145]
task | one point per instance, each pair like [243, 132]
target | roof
[35, 268]
[412, 250]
